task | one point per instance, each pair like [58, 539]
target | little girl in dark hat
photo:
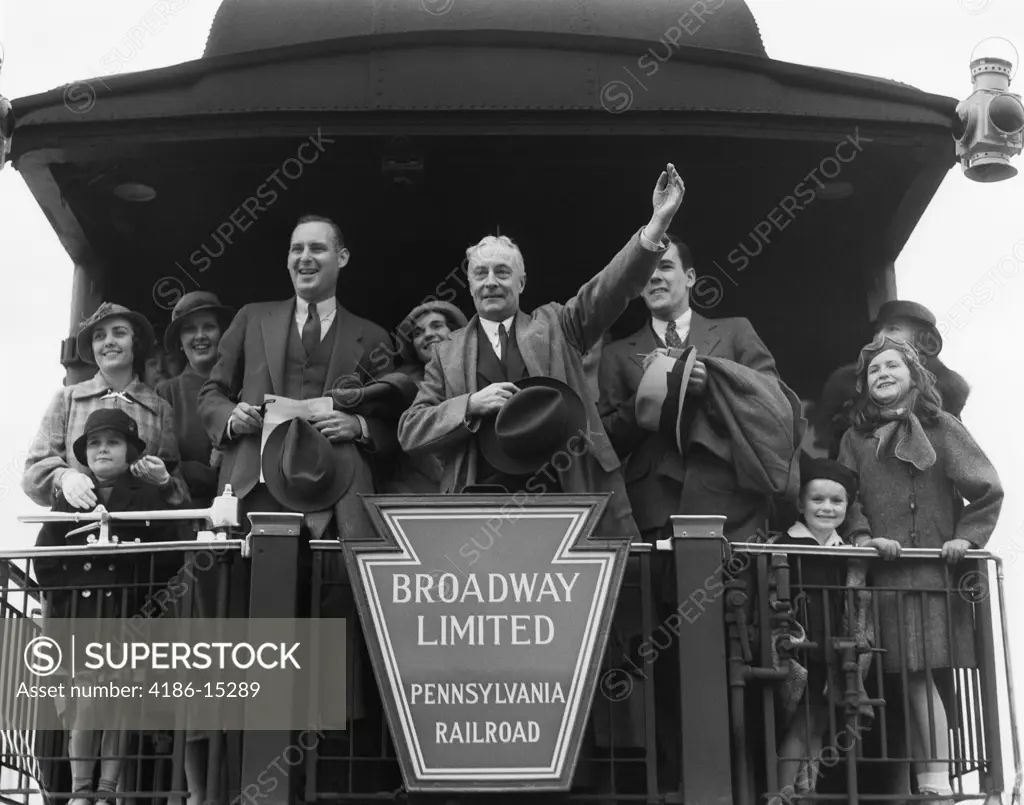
[93, 586]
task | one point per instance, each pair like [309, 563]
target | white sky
[968, 229]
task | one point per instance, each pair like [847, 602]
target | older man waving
[498, 400]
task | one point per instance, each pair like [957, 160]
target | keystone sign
[487, 622]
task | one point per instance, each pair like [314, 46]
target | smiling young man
[660, 481]
[298, 348]
[474, 374]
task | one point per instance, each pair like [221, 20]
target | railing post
[273, 590]
[698, 545]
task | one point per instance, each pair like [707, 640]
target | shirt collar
[491, 327]
[682, 323]
[801, 531]
[323, 309]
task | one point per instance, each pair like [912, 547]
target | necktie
[672, 339]
[503, 342]
[311, 331]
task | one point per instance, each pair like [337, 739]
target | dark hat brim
[143, 329]
[78, 448]
[903, 309]
[491, 447]
[172, 335]
[326, 496]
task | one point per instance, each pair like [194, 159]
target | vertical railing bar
[908, 753]
[650, 715]
[767, 697]
[929, 680]
[956, 769]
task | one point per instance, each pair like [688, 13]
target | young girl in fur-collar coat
[917, 464]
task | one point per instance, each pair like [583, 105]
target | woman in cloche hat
[197, 323]
[117, 341]
[426, 325]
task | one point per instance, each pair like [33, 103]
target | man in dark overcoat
[661, 481]
[472, 375]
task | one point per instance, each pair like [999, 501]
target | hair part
[339, 238]
[496, 242]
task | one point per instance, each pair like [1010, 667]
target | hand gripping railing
[221, 515]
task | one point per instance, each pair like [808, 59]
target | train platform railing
[685, 709]
[190, 578]
[839, 663]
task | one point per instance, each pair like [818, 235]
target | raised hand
[668, 194]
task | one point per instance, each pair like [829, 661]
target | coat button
[109, 593]
[86, 593]
[87, 566]
[110, 568]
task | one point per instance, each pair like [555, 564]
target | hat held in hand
[662, 391]
[535, 423]
[303, 470]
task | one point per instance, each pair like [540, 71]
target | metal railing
[685, 708]
[882, 642]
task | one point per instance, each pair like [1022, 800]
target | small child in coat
[917, 464]
[97, 589]
[827, 490]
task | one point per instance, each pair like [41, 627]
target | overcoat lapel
[122, 493]
[275, 340]
[470, 354]
[525, 346]
[348, 348]
[702, 334]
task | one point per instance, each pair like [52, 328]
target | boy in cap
[109, 446]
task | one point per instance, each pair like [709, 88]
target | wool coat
[924, 509]
[656, 474]
[107, 585]
[552, 340]
[182, 393]
[51, 454]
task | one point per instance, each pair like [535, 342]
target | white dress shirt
[327, 310]
[491, 329]
[682, 326]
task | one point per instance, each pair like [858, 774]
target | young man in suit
[299, 348]
[473, 375]
[660, 481]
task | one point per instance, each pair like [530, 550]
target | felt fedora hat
[144, 336]
[108, 419]
[662, 392]
[303, 470]
[905, 309]
[534, 424]
[190, 303]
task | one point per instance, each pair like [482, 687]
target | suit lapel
[470, 354]
[275, 340]
[348, 347]
[702, 334]
[642, 343]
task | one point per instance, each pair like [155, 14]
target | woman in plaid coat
[117, 341]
